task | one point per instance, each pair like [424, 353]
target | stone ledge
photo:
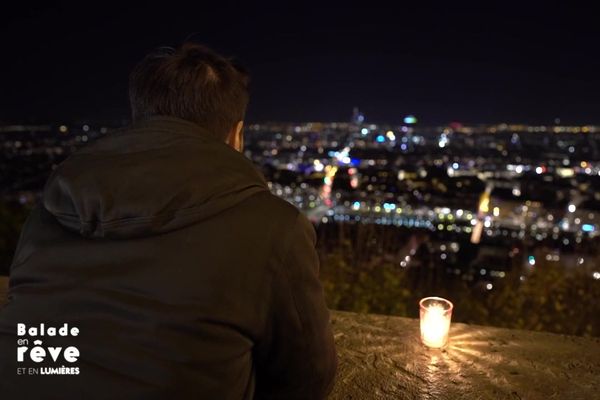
[381, 357]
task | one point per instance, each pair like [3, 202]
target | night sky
[513, 63]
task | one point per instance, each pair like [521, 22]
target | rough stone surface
[381, 357]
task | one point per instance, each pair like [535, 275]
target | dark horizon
[449, 63]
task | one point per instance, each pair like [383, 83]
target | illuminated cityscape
[478, 200]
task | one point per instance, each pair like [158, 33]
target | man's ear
[236, 136]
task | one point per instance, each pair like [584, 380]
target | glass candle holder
[435, 315]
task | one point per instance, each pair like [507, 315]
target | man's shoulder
[273, 206]
[283, 214]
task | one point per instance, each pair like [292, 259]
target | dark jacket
[185, 276]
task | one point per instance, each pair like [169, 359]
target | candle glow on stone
[435, 314]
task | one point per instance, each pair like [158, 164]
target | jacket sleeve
[297, 357]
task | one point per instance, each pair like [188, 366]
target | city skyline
[469, 212]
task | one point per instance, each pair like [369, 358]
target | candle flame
[435, 324]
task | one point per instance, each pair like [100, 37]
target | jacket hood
[155, 176]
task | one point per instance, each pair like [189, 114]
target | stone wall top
[381, 357]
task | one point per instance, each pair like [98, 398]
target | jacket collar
[175, 125]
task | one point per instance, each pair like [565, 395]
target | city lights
[410, 119]
[339, 172]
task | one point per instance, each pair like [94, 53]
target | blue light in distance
[588, 228]
[410, 119]
[380, 139]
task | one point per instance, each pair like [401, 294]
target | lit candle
[435, 315]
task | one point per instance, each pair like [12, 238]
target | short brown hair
[193, 83]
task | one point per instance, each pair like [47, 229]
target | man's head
[193, 83]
